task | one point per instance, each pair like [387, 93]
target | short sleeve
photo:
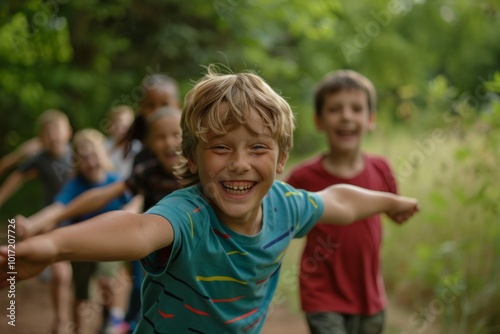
[312, 211]
[189, 223]
[384, 167]
[306, 208]
[29, 164]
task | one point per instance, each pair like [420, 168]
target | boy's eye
[357, 108]
[259, 148]
[219, 148]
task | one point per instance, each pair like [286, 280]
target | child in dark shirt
[53, 166]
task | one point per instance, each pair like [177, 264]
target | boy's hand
[32, 256]
[22, 227]
[403, 209]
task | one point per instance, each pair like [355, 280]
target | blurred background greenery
[433, 63]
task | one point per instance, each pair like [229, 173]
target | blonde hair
[86, 139]
[51, 116]
[120, 110]
[243, 95]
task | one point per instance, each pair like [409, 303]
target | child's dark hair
[336, 81]
[139, 127]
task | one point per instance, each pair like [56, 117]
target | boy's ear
[371, 120]
[318, 122]
[193, 167]
[280, 167]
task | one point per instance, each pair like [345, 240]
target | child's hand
[22, 227]
[403, 209]
[31, 257]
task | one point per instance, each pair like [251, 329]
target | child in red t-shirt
[341, 285]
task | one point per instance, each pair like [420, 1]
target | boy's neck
[344, 164]
[100, 178]
[250, 225]
[58, 155]
[249, 229]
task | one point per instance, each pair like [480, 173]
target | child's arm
[13, 182]
[26, 149]
[88, 202]
[113, 236]
[92, 200]
[345, 204]
[40, 222]
[135, 205]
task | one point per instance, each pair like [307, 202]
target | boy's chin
[346, 147]
[94, 177]
[56, 152]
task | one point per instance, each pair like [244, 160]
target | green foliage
[80, 56]
[456, 237]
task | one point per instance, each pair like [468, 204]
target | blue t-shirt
[211, 279]
[78, 185]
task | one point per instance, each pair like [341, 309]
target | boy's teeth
[237, 188]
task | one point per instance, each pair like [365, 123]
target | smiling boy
[212, 251]
[344, 293]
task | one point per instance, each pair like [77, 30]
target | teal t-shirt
[213, 280]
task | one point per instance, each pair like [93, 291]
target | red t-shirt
[340, 265]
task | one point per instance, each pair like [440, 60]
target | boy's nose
[346, 113]
[172, 141]
[239, 163]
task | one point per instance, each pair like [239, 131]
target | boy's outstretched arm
[12, 183]
[13, 158]
[40, 222]
[345, 204]
[117, 235]
[88, 202]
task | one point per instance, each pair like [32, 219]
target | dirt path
[34, 315]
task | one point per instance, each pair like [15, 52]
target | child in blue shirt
[93, 170]
[213, 251]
